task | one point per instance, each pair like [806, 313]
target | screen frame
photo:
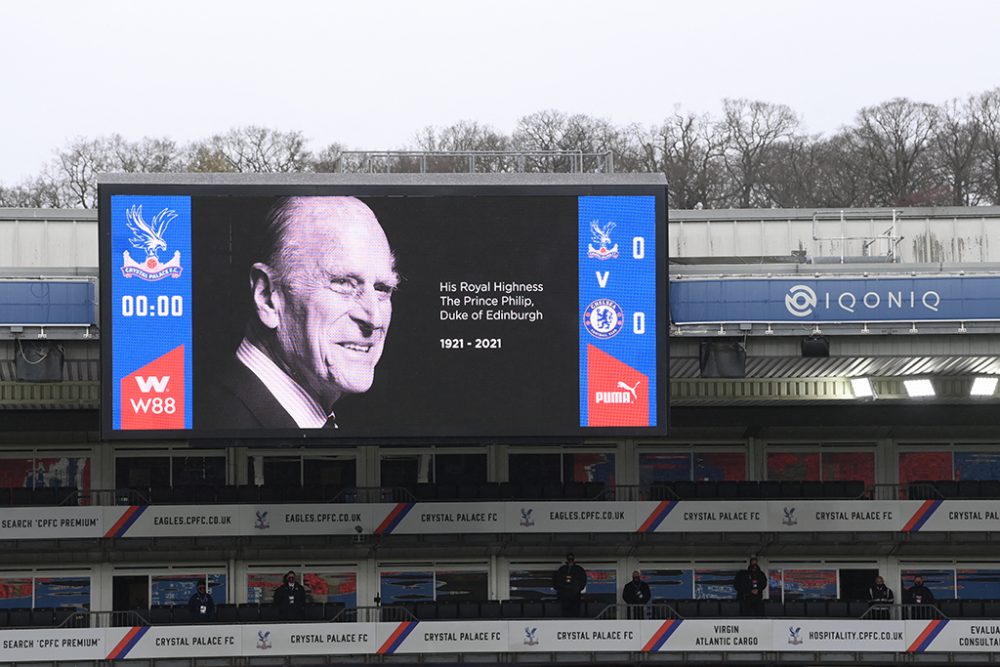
[372, 185]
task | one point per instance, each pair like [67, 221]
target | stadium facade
[793, 438]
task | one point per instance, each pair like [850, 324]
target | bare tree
[987, 111]
[793, 177]
[688, 149]
[250, 149]
[328, 159]
[895, 138]
[466, 136]
[956, 150]
[753, 128]
[843, 175]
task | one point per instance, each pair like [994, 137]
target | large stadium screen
[383, 311]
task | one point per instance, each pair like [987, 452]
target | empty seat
[4, 618]
[813, 489]
[795, 609]
[19, 618]
[748, 489]
[332, 610]
[968, 488]
[294, 494]
[312, 612]
[4, 495]
[687, 608]
[509, 490]
[61, 616]
[593, 490]
[706, 491]
[729, 609]
[854, 488]
[468, 609]
[489, 609]
[774, 609]
[951, 608]
[228, 495]
[468, 492]
[816, 608]
[161, 495]
[271, 493]
[226, 613]
[269, 613]
[447, 611]
[790, 489]
[425, 611]
[574, 491]
[553, 491]
[727, 489]
[248, 493]
[512, 609]
[770, 489]
[685, 490]
[488, 491]
[988, 488]
[181, 615]
[834, 489]
[595, 608]
[947, 488]
[21, 497]
[856, 608]
[553, 609]
[42, 617]
[248, 612]
[44, 495]
[836, 609]
[160, 614]
[991, 608]
[447, 492]
[530, 491]
[709, 609]
[534, 609]
[972, 609]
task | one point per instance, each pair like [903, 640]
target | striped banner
[661, 636]
[398, 636]
[127, 643]
[657, 516]
[920, 517]
[125, 521]
[929, 634]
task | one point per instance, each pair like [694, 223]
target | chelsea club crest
[603, 319]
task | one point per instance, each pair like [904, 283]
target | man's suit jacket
[237, 399]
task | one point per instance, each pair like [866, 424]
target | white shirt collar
[302, 408]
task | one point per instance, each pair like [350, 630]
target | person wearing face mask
[879, 597]
[750, 585]
[290, 598]
[636, 594]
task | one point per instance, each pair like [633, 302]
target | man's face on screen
[335, 299]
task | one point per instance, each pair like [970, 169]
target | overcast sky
[371, 74]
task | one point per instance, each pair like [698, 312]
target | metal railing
[902, 612]
[386, 613]
[424, 162]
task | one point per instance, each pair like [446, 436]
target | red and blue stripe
[398, 636]
[128, 642]
[654, 520]
[125, 521]
[917, 521]
[397, 514]
[929, 634]
[661, 635]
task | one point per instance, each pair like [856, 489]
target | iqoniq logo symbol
[800, 300]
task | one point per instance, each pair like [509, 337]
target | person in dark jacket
[636, 594]
[569, 582]
[918, 593]
[750, 585]
[290, 597]
[879, 598]
[201, 605]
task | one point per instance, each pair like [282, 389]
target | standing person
[918, 593]
[290, 597]
[880, 596]
[636, 594]
[750, 584]
[569, 582]
[201, 605]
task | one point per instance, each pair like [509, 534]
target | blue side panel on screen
[151, 312]
[617, 328]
